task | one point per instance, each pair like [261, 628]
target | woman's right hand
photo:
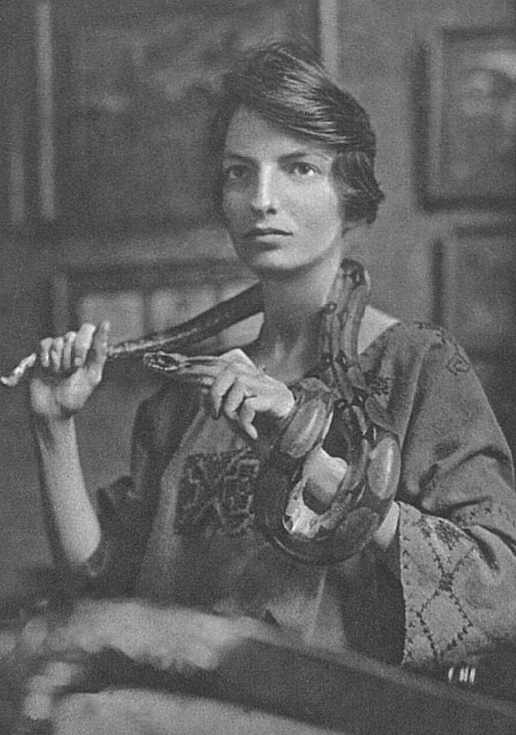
[67, 371]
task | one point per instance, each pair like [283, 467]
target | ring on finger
[248, 393]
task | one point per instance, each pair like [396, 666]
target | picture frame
[133, 101]
[476, 287]
[466, 119]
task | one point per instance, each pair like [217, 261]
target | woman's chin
[277, 267]
[264, 262]
[269, 268]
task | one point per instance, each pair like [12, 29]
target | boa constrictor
[358, 425]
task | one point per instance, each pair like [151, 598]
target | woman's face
[280, 202]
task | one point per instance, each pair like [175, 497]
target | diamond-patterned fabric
[438, 622]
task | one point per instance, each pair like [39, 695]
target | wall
[376, 42]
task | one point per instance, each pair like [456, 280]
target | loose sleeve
[126, 508]
[457, 529]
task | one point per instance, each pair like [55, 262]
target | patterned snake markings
[358, 426]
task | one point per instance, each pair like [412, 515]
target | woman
[437, 579]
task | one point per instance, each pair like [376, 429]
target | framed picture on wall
[134, 98]
[477, 287]
[467, 125]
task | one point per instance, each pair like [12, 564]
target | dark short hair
[286, 84]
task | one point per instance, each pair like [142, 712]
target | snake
[209, 323]
[358, 424]
[353, 420]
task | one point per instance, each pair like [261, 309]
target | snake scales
[339, 399]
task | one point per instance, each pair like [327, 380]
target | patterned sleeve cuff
[440, 564]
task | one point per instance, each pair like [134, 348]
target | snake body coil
[360, 432]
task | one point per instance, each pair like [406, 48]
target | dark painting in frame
[136, 102]
[475, 299]
[466, 126]
[476, 283]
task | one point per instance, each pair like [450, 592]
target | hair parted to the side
[284, 82]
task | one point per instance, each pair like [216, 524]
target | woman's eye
[303, 169]
[234, 173]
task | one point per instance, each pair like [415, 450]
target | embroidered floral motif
[447, 534]
[458, 363]
[487, 513]
[378, 384]
[216, 493]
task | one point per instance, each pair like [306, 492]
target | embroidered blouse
[180, 528]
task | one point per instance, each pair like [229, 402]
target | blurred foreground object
[256, 683]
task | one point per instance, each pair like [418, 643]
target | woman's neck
[287, 346]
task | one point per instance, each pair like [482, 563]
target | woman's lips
[259, 232]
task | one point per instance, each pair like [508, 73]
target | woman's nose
[264, 197]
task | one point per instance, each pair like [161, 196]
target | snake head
[200, 369]
[163, 362]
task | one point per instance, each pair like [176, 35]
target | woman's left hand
[241, 390]
[234, 386]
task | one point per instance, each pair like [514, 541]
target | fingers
[229, 397]
[97, 355]
[240, 392]
[246, 417]
[44, 352]
[55, 354]
[237, 407]
[82, 344]
[68, 343]
[87, 347]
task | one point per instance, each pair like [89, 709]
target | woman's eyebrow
[237, 156]
[304, 153]
[300, 153]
